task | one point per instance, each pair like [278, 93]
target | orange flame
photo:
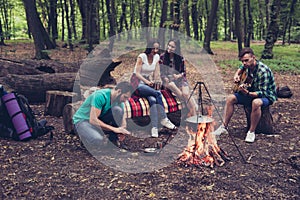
[202, 148]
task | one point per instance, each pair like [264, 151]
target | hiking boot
[220, 130]
[154, 132]
[250, 137]
[167, 123]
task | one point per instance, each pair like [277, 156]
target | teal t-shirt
[99, 99]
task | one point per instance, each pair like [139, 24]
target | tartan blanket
[139, 107]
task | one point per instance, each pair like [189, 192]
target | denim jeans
[92, 135]
[154, 98]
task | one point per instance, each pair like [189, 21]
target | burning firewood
[202, 148]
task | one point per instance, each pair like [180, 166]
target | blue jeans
[154, 98]
[92, 135]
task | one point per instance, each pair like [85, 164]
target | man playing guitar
[260, 93]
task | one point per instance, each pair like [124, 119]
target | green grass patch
[286, 58]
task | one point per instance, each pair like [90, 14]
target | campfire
[202, 148]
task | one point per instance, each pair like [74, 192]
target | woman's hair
[149, 46]
[177, 54]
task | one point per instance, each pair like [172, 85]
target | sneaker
[154, 132]
[250, 137]
[220, 130]
[167, 123]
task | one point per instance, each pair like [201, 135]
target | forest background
[89, 22]
[65, 31]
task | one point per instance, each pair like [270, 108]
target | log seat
[136, 108]
[265, 124]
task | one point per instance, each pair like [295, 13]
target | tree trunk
[40, 36]
[176, 17]
[273, 31]
[52, 24]
[186, 18]
[244, 23]
[56, 101]
[195, 20]
[32, 67]
[225, 21]
[267, 13]
[162, 25]
[68, 112]
[230, 16]
[237, 14]
[261, 27]
[68, 25]
[123, 20]
[34, 87]
[82, 4]
[1, 34]
[62, 21]
[249, 28]
[111, 19]
[210, 24]
[288, 22]
[265, 124]
[72, 13]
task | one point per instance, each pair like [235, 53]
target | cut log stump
[56, 101]
[68, 112]
[265, 124]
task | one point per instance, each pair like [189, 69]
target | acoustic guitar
[245, 82]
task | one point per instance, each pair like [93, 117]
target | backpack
[284, 92]
[22, 119]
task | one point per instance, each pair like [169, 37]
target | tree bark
[186, 18]
[195, 20]
[237, 14]
[32, 67]
[68, 112]
[68, 25]
[40, 36]
[265, 124]
[111, 18]
[249, 27]
[52, 22]
[162, 25]
[82, 4]
[273, 31]
[34, 87]
[210, 24]
[56, 101]
[1, 34]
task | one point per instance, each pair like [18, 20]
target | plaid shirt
[263, 81]
[167, 66]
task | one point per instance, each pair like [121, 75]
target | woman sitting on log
[173, 74]
[146, 66]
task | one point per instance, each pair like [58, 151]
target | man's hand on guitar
[237, 78]
[243, 89]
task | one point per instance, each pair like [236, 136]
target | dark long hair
[177, 55]
[149, 46]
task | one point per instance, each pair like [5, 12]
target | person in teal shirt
[102, 111]
[260, 93]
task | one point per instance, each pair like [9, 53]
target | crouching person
[102, 111]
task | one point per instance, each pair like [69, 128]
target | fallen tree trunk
[33, 67]
[34, 87]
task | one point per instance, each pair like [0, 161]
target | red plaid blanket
[138, 107]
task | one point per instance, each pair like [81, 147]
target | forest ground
[66, 170]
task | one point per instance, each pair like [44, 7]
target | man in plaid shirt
[260, 93]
